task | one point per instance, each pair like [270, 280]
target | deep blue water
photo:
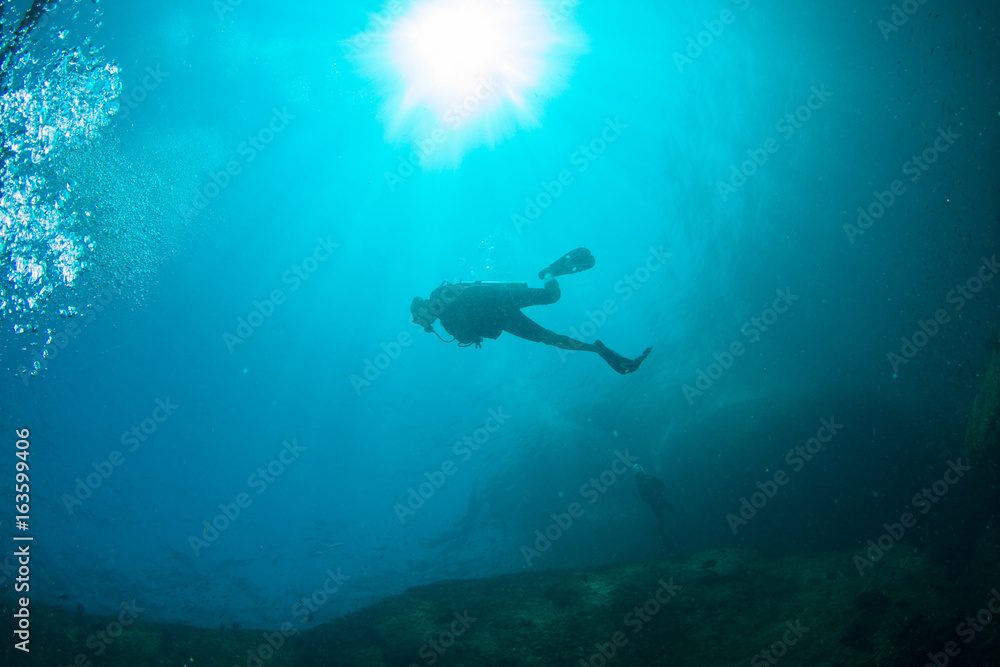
[323, 213]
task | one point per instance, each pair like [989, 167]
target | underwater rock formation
[982, 435]
[982, 448]
[721, 607]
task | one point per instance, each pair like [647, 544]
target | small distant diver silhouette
[651, 492]
[471, 312]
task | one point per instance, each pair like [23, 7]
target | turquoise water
[216, 216]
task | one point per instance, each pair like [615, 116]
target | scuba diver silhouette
[651, 492]
[471, 312]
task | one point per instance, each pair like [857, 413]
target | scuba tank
[493, 283]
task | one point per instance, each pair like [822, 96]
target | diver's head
[421, 310]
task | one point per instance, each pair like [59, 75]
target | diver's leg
[521, 326]
[662, 531]
[533, 296]
[518, 324]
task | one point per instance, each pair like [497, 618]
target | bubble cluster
[54, 99]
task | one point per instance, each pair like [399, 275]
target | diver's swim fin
[621, 364]
[572, 262]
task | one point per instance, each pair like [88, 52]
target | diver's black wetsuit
[651, 493]
[471, 312]
[474, 312]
